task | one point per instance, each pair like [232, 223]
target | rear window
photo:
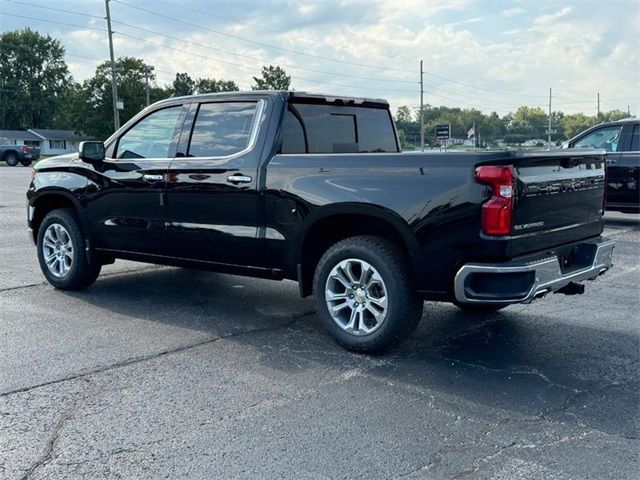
[337, 129]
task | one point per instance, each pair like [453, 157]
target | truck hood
[58, 160]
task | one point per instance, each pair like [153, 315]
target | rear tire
[11, 159]
[374, 318]
[61, 252]
[26, 162]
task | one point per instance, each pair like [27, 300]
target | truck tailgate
[558, 198]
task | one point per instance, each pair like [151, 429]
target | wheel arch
[50, 200]
[330, 224]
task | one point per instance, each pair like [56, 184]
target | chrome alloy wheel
[356, 297]
[57, 250]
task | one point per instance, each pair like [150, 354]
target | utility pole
[549, 128]
[421, 108]
[598, 108]
[114, 87]
[147, 72]
[628, 110]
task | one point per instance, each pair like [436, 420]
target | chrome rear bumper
[525, 279]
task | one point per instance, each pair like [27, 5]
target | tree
[33, 79]
[614, 115]
[211, 85]
[183, 85]
[92, 105]
[403, 115]
[273, 78]
[529, 121]
[576, 123]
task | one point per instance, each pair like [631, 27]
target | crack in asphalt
[108, 274]
[478, 464]
[170, 351]
[47, 454]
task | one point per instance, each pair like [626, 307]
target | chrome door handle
[152, 178]
[611, 161]
[239, 178]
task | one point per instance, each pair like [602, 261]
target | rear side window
[635, 138]
[292, 134]
[337, 129]
[221, 129]
[375, 130]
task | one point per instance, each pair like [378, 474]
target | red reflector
[497, 212]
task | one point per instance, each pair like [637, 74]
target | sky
[492, 55]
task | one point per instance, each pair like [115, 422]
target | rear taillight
[497, 212]
[24, 149]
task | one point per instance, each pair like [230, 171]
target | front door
[127, 200]
[212, 195]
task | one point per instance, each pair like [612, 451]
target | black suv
[622, 140]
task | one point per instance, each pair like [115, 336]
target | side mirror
[91, 152]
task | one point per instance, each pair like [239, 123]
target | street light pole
[421, 108]
[114, 87]
[147, 71]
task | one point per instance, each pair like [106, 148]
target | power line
[394, 58]
[434, 87]
[55, 9]
[262, 44]
[239, 65]
[471, 86]
[208, 47]
[55, 22]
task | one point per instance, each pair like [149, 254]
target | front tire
[61, 252]
[364, 294]
[11, 159]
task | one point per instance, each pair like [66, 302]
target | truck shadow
[531, 362]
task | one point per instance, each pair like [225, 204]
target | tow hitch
[572, 288]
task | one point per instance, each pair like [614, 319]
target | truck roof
[287, 95]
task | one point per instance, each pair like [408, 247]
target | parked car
[621, 140]
[289, 185]
[14, 154]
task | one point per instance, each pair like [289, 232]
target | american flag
[471, 132]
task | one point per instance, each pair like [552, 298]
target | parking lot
[165, 372]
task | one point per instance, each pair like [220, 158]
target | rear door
[608, 138]
[212, 195]
[624, 171]
[126, 203]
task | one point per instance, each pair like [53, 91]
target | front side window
[151, 137]
[222, 129]
[606, 138]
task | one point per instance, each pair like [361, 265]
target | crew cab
[621, 140]
[312, 188]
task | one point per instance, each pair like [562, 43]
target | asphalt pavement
[158, 372]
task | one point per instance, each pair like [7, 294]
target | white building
[50, 142]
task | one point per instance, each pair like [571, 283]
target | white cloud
[475, 55]
[513, 12]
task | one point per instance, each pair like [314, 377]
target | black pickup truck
[621, 141]
[288, 185]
